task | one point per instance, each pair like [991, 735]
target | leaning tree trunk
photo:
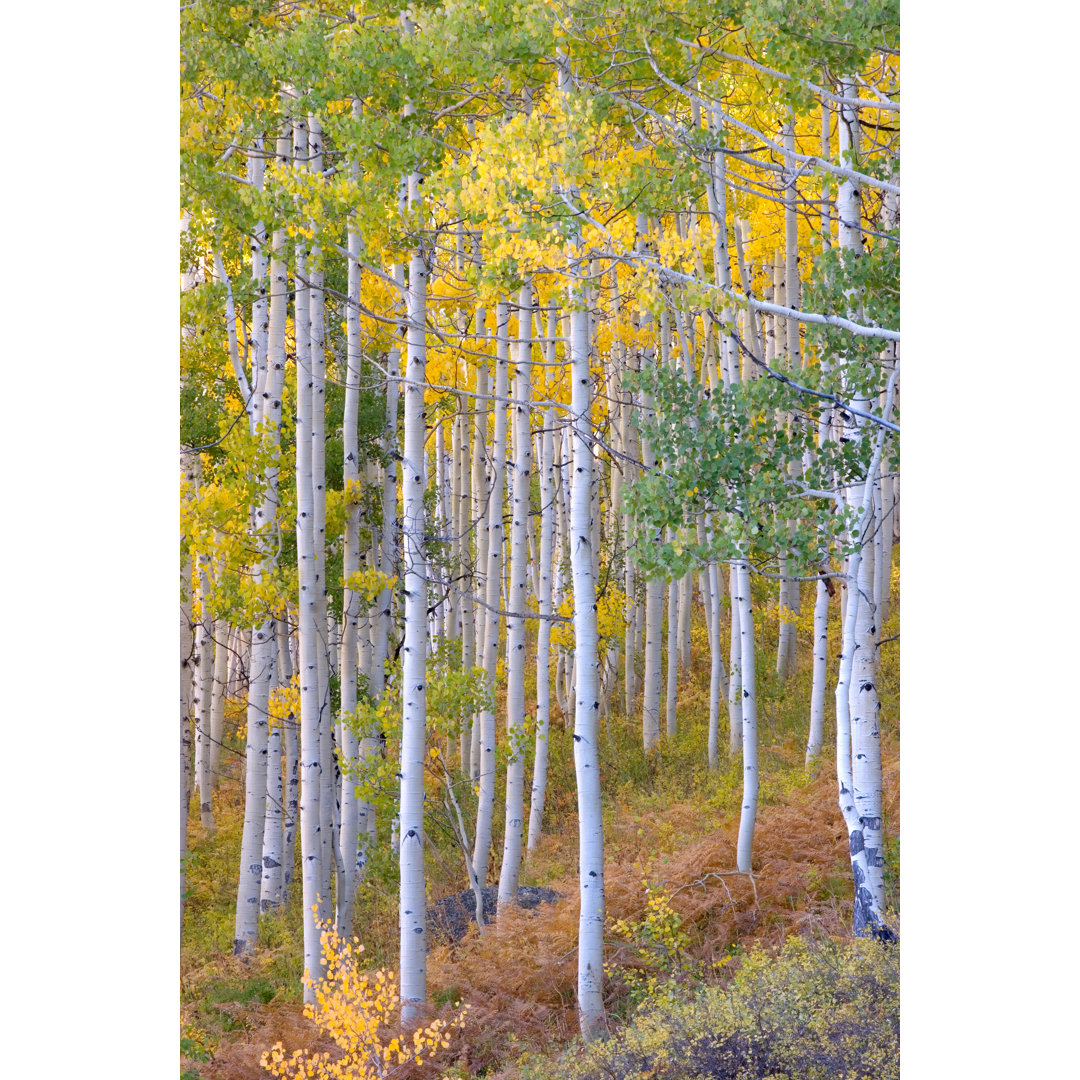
[861, 813]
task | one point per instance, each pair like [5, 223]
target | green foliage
[733, 454]
[817, 1011]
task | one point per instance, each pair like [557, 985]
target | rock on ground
[450, 918]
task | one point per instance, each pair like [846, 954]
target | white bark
[217, 701]
[859, 787]
[816, 733]
[263, 646]
[686, 596]
[543, 634]
[290, 736]
[270, 893]
[204, 670]
[586, 701]
[719, 684]
[187, 651]
[349, 662]
[672, 656]
[486, 805]
[586, 704]
[517, 602]
[412, 913]
[748, 810]
[479, 523]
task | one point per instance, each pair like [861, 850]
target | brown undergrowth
[520, 976]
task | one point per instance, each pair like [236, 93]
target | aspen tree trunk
[187, 651]
[480, 517]
[686, 596]
[486, 805]
[672, 655]
[389, 556]
[270, 894]
[414, 670]
[857, 724]
[787, 648]
[317, 352]
[217, 701]
[654, 614]
[719, 683]
[860, 781]
[204, 667]
[543, 634]
[586, 703]
[290, 743]
[517, 602]
[263, 645]
[748, 811]
[816, 733]
[312, 761]
[350, 606]
[467, 605]
[412, 904]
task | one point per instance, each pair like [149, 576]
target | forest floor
[670, 830]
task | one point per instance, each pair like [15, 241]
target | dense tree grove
[518, 336]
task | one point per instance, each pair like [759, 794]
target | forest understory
[670, 829]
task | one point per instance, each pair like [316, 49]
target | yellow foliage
[357, 1009]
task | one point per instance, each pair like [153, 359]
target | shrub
[822, 1011]
[357, 1011]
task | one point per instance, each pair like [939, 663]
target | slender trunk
[672, 655]
[270, 893]
[413, 882]
[414, 670]
[187, 651]
[719, 684]
[686, 596]
[350, 606]
[480, 517]
[586, 703]
[217, 701]
[486, 806]
[816, 734]
[543, 634]
[263, 646]
[748, 811]
[517, 602]
[290, 733]
[204, 666]
[859, 782]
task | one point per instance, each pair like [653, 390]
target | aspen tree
[217, 702]
[350, 606]
[586, 691]
[412, 902]
[543, 633]
[486, 804]
[517, 603]
[263, 647]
